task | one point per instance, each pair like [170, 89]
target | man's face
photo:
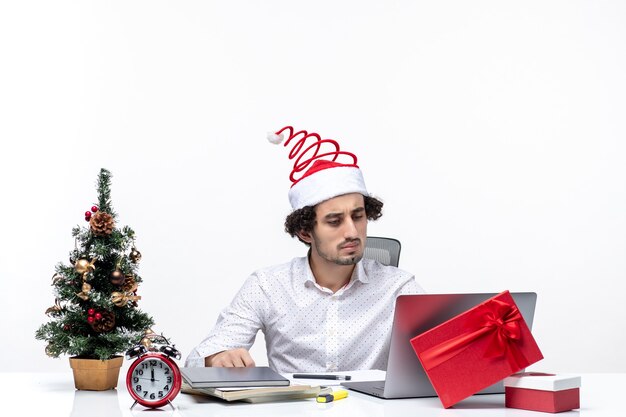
[340, 229]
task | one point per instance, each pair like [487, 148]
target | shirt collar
[358, 274]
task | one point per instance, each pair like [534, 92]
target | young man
[331, 310]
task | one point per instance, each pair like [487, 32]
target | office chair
[383, 249]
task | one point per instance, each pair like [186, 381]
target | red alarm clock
[153, 379]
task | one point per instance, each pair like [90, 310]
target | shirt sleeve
[237, 325]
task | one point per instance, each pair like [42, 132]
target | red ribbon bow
[495, 319]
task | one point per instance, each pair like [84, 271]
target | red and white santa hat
[317, 175]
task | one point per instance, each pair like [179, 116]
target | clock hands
[149, 379]
[152, 373]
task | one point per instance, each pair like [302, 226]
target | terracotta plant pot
[94, 374]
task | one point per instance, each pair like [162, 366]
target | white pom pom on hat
[323, 177]
[274, 138]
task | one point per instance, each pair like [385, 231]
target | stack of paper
[254, 384]
[259, 394]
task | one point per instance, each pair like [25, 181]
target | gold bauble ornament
[146, 342]
[49, 351]
[84, 294]
[83, 265]
[135, 255]
[117, 277]
[119, 299]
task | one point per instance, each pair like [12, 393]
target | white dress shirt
[308, 328]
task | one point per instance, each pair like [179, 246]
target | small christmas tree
[95, 313]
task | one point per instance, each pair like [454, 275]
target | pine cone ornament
[101, 224]
[130, 285]
[106, 323]
[128, 294]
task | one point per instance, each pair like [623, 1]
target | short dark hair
[304, 219]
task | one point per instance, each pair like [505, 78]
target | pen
[318, 376]
[334, 396]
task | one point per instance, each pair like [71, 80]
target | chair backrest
[383, 249]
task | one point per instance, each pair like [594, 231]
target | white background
[493, 130]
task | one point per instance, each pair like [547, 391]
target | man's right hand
[235, 358]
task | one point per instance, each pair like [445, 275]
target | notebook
[414, 314]
[259, 395]
[206, 377]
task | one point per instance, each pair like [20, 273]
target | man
[331, 310]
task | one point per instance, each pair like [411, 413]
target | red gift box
[476, 349]
[542, 392]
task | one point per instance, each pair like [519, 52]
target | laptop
[414, 314]
[213, 377]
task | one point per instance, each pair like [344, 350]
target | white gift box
[542, 392]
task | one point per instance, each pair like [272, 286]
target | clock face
[153, 379]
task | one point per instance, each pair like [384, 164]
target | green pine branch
[104, 192]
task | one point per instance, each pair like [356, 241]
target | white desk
[53, 394]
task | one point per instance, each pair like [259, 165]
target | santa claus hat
[317, 175]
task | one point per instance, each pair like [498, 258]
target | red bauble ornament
[94, 208]
[90, 319]
[87, 214]
[87, 218]
[98, 316]
[91, 311]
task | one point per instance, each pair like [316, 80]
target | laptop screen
[415, 314]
